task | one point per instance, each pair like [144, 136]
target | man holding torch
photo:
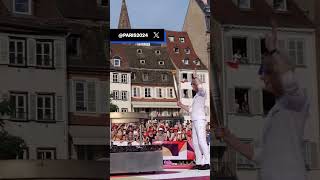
[199, 123]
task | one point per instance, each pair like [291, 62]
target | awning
[89, 135]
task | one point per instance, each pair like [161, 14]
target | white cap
[160, 129]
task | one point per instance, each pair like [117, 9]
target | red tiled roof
[178, 57]
[226, 12]
[118, 50]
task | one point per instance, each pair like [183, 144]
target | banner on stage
[177, 150]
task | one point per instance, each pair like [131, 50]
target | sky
[156, 14]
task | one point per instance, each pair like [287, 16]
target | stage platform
[172, 173]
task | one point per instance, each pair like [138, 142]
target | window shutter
[91, 96]
[257, 51]
[103, 97]
[164, 93]
[228, 48]
[59, 108]
[71, 91]
[59, 53]
[231, 99]
[300, 52]
[138, 91]
[33, 106]
[314, 158]
[157, 91]
[250, 50]
[32, 56]
[292, 51]
[4, 50]
[255, 102]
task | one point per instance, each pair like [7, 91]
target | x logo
[156, 35]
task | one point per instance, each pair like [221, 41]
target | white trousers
[199, 141]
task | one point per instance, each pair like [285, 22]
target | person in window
[279, 152]
[199, 122]
[237, 56]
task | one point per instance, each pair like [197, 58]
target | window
[280, 5]
[124, 95]
[202, 78]
[244, 4]
[263, 46]
[147, 92]
[139, 51]
[239, 50]
[44, 54]
[181, 39]
[268, 101]
[136, 92]
[142, 61]
[133, 76]
[45, 107]
[19, 104]
[164, 77]
[185, 93]
[159, 93]
[124, 78]
[46, 153]
[197, 62]
[145, 76]
[157, 52]
[124, 109]
[22, 6]
[171, 38]
[296, 52]
[116, 62]
[24, 155]
[241, 100]
[185, 61]
[184, 76]
[17, 52]
[170, 93]
[73, 46]
[161, 62]
[85, 96]
[115, 95]
[115, 77]
[242, 161]
[187, 51]
[176, 50]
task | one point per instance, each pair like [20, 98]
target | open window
[239, 50]
[268, 101]
[241, 101]
[184, 76]
[185, 93]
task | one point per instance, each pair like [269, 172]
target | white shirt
[135, 143]
[197, 109]
[124, 143]
[279, 153]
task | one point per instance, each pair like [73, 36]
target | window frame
[139, 51]
[44, 150]
[161, 63]
[115, 97]
[171, 38]
[185, 60]
[176, 48]
[51, 53]
[114, 62]
[29, 12]
[124, 78]
[117, 77]
[142, 61]
[25, 106]
[78, 45]
[44, 95]
[24, 51]
[146, 92]
[187, 50]
[182, 39]
[124, 109]
[145, 78]
[124, 95]
[164, 77]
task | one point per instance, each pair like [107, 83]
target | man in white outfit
[199, 123]
[279, 152]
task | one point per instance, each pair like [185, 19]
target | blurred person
[135, 142]
[199, 122]
[123, 141]
[279, 152]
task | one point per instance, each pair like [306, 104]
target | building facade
[245, 101]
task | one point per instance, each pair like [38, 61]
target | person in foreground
[279, 153]
[199, 123]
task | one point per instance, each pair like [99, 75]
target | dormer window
[161, 62]
[176, 50]
[164, 77]
[171, 38]
[181, 39]
[157, 52]
[187, 51]
[139, 51]
[145, 76]
[244, 4]
[142, 61]
[197, 62]
[116, 61]
[22, 6]
[280, 5]
[185, 61]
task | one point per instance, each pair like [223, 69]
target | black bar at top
[151, 35]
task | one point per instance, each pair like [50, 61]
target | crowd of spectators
[152, 131]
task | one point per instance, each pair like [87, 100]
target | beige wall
[195, 25]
